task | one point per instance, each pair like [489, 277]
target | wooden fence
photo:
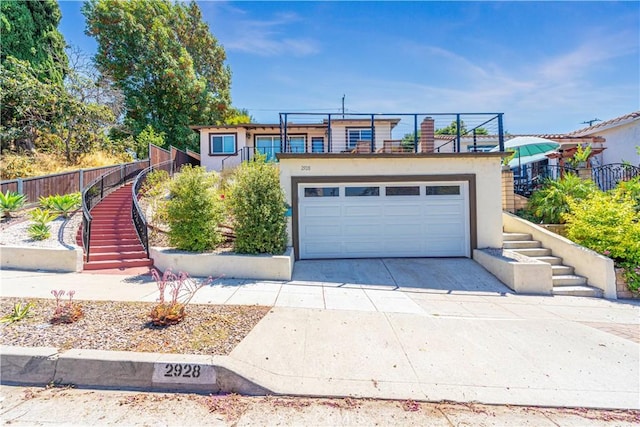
[59, 183]
[70, 182]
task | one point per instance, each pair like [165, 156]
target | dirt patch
[125, 326]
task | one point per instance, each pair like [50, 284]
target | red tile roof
[607, 124]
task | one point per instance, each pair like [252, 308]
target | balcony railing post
[415, 133]
[500, 132]
[329, 136]
[373, 133]
[458, 123]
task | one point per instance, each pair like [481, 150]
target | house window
[268, 145]
[403, 191]
[355, 135]
[222, 144]
[317, 144]
[321, 192]
[361, 191]
[296, 144]
[443, 190]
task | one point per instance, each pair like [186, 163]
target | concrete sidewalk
[403, 336]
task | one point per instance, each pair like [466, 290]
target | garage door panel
[321, 211]
[406, 229]
[384, 226]
[402, 210]
[362, 248]
[367, 210]
[321, 230]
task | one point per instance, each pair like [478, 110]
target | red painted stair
[114, 242]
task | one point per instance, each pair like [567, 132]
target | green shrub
[11, 201]
[62, 204]
[40, 229]
[549, 203]
[608, 223]
[632, 188]
[258, 207]
[194, 210]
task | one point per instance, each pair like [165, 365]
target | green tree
[166, 62]
[452, 129]
[45, 117]
[30, 33]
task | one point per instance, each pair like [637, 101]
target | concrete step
[553, 260]
[515, 236]
[561, 270]
[568, 280]
[533, 252]
[577, 291]
[103, 265]
[521, 244]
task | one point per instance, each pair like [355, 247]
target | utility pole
[343, 106]
[590, 122]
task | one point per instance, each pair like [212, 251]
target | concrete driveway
[407, 274]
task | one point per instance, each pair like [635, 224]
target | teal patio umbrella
[528, 149]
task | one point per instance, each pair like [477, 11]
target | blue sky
[547, 65]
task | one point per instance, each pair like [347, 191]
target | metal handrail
[139, 219]
[98, 189]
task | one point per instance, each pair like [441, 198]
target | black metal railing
[245, 154]
[608, 176]
[528, 178]
[139, 220]
[99, 189]
[343, 131]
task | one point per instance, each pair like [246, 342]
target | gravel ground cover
[125, 326]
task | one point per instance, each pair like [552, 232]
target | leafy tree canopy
[452, 129]
[30, 33]
[168, 65]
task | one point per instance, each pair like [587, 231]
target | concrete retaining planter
[530, 277]
[34, 258]
[231, 265]
[598, 269]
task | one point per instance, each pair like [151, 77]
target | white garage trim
[401, 216]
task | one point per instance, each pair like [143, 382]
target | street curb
[122, 370]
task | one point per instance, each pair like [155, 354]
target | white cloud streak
[266, 37]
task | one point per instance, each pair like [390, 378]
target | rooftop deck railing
[367, 132]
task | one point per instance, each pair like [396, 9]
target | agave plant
[62, 204]
[11, 201]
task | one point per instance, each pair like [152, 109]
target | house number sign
[183, 373]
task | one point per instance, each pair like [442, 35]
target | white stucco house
[622, 139]
[357, 190]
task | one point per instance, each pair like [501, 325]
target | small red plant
[181, 289]
[66, 312]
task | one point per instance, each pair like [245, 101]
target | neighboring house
[357, 191]
[621, 135]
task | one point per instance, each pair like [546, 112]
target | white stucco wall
[214, 162]
[486, 169]
[621, 142]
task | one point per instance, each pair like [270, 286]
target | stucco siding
[486, 169]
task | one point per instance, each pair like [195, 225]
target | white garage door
[362, 220]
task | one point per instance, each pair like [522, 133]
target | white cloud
[267, 37]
